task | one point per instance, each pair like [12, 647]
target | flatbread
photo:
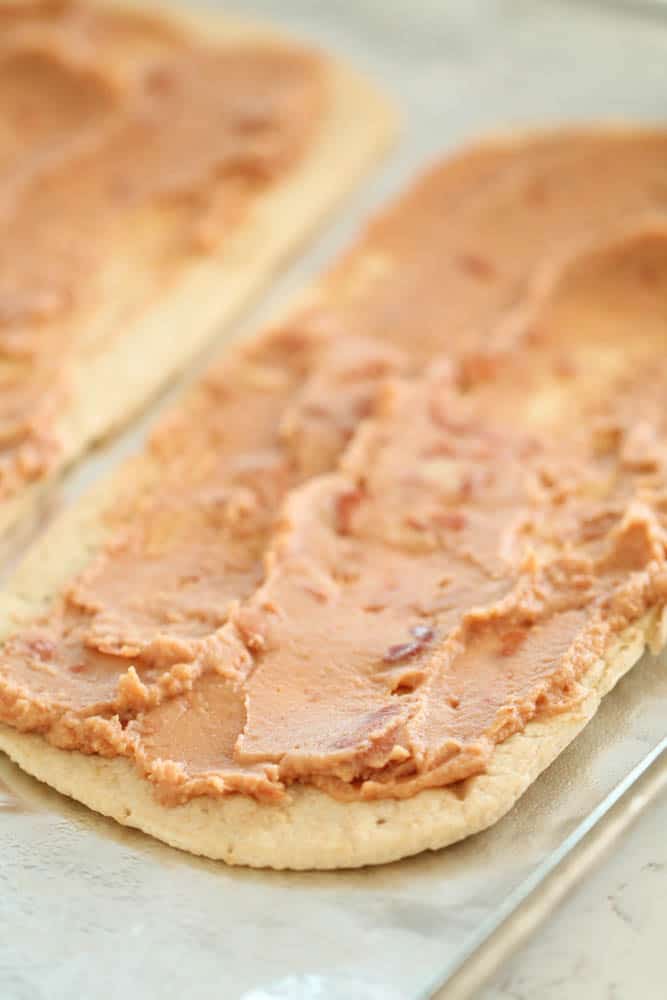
[111, 385]
[309, 829]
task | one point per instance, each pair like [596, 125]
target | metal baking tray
[88, 908]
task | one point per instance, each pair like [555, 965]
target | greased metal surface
[117, 884]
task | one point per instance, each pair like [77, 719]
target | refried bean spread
[379, 539]
[127, 149]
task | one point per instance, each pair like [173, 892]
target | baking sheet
[88, 908]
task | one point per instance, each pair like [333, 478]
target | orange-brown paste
[378, 540]
[126, 147]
